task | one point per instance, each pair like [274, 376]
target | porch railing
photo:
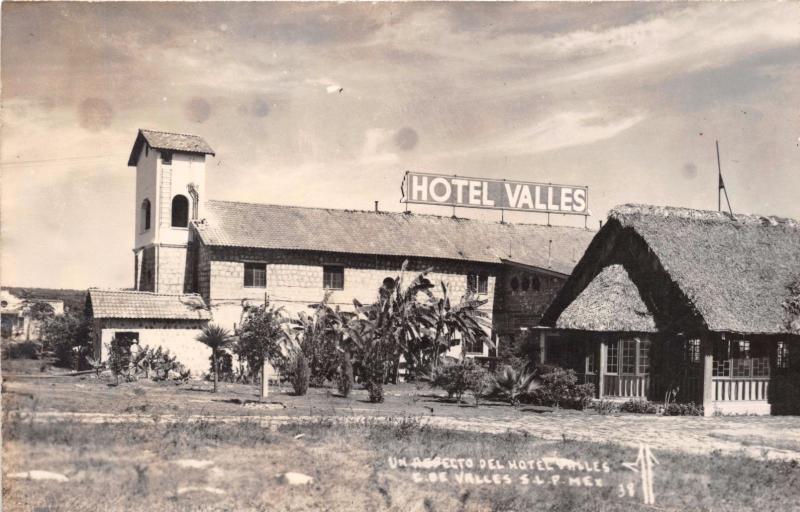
[627, 386]
[739, 389]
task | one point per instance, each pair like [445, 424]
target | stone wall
[147, 275]
[172, 263]
[177, 336]
[295, 278]
[521, 307]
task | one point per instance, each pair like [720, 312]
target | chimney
[376, 207]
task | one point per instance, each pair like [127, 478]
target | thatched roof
[733, 273]
[611, 302]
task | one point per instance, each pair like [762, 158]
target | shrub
[119, 357]
[225, 362]
[514, 385]
[68, 335]
[345, 383]
[638, 406]
[300, 375]
[605, 407]
[688, 409]
[457, 378]
[560, 388]
[21, 350]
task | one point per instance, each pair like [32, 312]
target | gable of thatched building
[697, 270]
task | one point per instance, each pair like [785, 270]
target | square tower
[170, 185]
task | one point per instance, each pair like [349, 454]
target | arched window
[145, 215]
[180, 212]
[526, 283]
[515, 283]
[536, 284]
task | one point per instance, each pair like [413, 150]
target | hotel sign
[442, 190]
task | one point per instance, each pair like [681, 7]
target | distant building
[698, 303]
[230, 254]
[17, 321]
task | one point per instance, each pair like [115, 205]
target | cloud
[518, 90]
[561, 130]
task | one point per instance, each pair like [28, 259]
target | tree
[37, 312]
[392, 326]
[216, 338]
[67, 335]
[464, 320]
[320, 337]
[265, 339]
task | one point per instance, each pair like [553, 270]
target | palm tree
[392, 326]
[216, 338]
[464, 319]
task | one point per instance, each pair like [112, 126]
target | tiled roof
[392, 234]
[146, 305]
[171, 141]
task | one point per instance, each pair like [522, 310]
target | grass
[130, 467]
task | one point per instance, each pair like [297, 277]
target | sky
[327, 104]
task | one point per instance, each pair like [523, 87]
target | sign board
[442, 190]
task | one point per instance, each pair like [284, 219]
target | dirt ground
[85, 398]
[160, 445]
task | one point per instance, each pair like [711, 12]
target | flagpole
[719, 181]
[721, 186]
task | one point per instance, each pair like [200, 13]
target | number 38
[626, 490]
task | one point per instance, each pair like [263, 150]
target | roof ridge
[141, 292]
[171, 133]
[372, 212]
[628, 209]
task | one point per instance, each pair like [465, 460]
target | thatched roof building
[695, 270]
[611, 303]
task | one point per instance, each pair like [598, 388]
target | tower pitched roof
[171, 141]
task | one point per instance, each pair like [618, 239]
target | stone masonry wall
[172, 263]
[295, 279]
[518, 309]
[147, 274]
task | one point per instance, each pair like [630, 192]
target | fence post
[707, 352]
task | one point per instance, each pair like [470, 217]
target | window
[693, 351]
[644, 357]
[333, 277]
[526, 283]
[514, 283]
[536, 284]
[180, 212]
[478, 283]
[612, 358]
[255, 275]
[145, 215]
[782, 356]
[741, 349]
[474, 347]
[740, 359]
[166, 158]
[591, 361]
[629, 357]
